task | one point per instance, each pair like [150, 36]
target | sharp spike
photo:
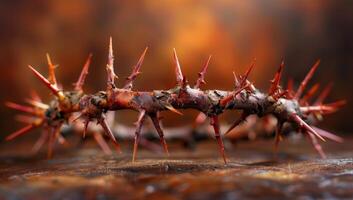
[53, 135]
[277, 137]
[304, 125]
[20, 132]
[230, 96]
[81, 80]
[135, 71]
[310, 93]
[242, 118]
[306, 80]
[51, 67]
[178, 72]
[139, 125]
[51, 87]
[19, 107]
[316, 145]
[215, 124]
[236, 81]
[276, 80]
[201, 79]
[246, 75]
[156, 123]
[110, 67]
[103, 122]
[328, 135]
[171, 108]
[86, 123]
[35, 96]
[102, 143]
[25, 119]
[40, 142]
[37, 104]
[322, 96]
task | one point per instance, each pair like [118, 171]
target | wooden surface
[252, 173]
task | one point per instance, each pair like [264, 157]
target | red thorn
[227, 99]
[328, 135]
[304, 125]
[40, 142]
[237, 122]
[306, 80]
[276, 80]
[156, 123]
[51, 87]
[277, 137]
[215, 124]
[19, 107]
[326, 108]
[52, 139]
[104, 124]
[246, 75]
[310, 93]
[178, 72]
[35, 96]
[110, 67]
[316, 145]
[20, 132]
[171, 108]
[236, 81]
[51, 67]
[102, 144]
[201, 80]
[25, 119]
[139, 125]
[200, 119]
[86, 123]
[81, 80]
[135, 71]
[322, 96]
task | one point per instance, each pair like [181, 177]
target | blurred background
[234, 32]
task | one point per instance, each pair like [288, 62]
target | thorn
[322, 96]
[290, 88]
[171, 108]
[310, 93]
[19, 107]
[55, 131]
[155, 120]
[110, 67]
[51, 67]
[103, 122]
[37, 104]
[178, 72]
[20, 132]
[276, 80]
[215, 124]
[200, 119]
[51, 87]
[35, 96]
[304, 125]
[135, 71]
[201, 80]
[86, 123]
[246, 75]
[237, 122]
[39, 143]
[236, 81]
[81, 80]
[102, 143]
[277, 138]
[316, 145]
[25, 119]
[227, 99]
[306, 80]
[139, 125]
[328, 135]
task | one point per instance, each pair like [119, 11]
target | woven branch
[287, 105]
